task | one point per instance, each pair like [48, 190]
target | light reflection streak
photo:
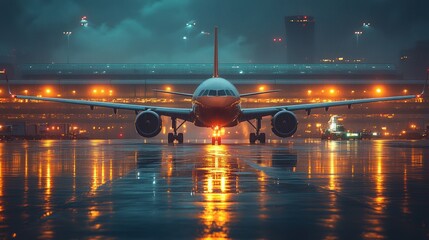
[215, 173]
[334, 188]
[380, 201]
[47, 229]
[2, 216]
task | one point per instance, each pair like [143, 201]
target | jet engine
[284, 124]
[148, 124]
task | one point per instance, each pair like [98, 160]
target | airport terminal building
[134, 83]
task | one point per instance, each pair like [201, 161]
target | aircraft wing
[181, 113]
[257, 93]
[252, 113]
[174, 93]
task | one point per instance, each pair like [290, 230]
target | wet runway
[299, 189]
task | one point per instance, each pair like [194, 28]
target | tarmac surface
[298, 189]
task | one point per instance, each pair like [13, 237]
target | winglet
[215, 60]
[7, 81]
[425, 86]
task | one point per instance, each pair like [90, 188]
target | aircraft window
[221, 93]
[228, 93]
[201, 93]
[206, 93]
[212, 93]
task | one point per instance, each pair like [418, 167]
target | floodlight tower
[67, 34]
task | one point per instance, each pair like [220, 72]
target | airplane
[216, 104]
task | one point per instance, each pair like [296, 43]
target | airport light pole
[357, 34]
[67, 34]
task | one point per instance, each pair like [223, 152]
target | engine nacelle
[148, 124]
[284, 124]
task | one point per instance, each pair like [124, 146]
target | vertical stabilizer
[215, 62]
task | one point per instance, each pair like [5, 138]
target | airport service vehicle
[337, 131]
[216, 104]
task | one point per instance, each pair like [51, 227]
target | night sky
[152, 31]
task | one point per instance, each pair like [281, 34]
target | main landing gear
[216, 136]
[257, 136]
[175, 136]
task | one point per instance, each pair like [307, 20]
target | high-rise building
[299, 39]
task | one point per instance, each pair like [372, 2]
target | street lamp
[357, 34]
[68, 45]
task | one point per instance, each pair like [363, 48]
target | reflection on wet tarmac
[116, 189]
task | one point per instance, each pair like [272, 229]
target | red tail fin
[216, 62]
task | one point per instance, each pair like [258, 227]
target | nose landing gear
[216, 136]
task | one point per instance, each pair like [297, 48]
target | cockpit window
[213, 93]
[231, 92]
[221, 93]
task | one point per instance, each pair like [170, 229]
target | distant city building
[414, 62]
[300, 39]
[342, 60]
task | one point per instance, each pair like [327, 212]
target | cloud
[152, 30]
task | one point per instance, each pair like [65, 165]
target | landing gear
[257, 136]
[175, 136]
[216, 136]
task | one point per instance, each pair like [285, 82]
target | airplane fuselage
[216, 103]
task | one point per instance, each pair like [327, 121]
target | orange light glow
[332, 91]
[309, 92]
[25, 91]
[168, 88]
[94, 91]
[261, 88]
[378, 90]
[74, 92]
[48, 91]
[405, 91]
